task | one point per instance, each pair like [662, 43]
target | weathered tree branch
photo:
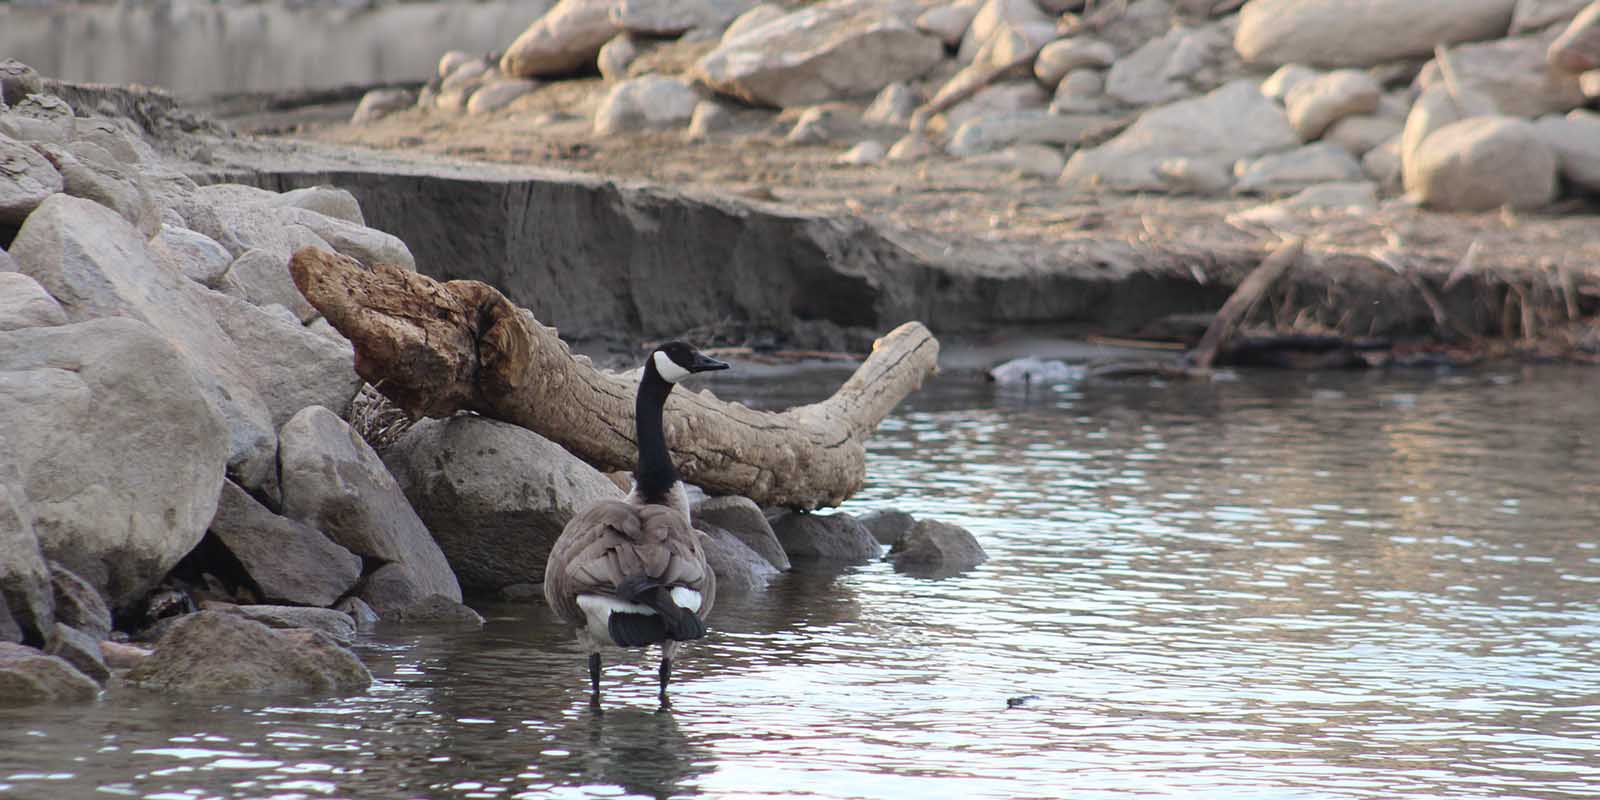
[437, 348]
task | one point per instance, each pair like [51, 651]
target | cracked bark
[436, 348]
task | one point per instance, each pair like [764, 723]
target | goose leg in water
[665, 673]
[594, 677]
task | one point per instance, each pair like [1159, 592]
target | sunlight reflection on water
[1283, 587]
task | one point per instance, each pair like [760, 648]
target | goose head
[674, 361]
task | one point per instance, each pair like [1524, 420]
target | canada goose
[631, 573]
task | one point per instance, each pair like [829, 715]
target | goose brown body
[614, 540]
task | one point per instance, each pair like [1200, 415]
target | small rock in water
[888, 525]
[1020, 700]
[935, 549]
[1031, 371]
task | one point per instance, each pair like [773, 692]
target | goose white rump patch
[686, 598]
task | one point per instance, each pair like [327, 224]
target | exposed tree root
[438, 348]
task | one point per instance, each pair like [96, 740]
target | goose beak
[705, 363]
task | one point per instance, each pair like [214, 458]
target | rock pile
[165, 407]
[1271, 98]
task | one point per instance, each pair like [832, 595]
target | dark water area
[1352, 585]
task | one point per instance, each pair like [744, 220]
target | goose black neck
[655, 475]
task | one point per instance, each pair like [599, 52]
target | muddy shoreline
[601, 241]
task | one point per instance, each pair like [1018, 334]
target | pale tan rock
[565, 39]
[1531, 15]
[1512, 72]
[948, 23]
[1282, 81]
[1435, 108]
[1361, 132]
[496, 95]
[1577, 49]
[868, 152]
[1483, 163]
[1060, 57]
[1575, 138]
[833, 50]
[1315, 104]
[1360, 33]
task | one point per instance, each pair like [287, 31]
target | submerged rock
[28, 676]
[837, 536]
[435, 610]
[1034, 371]
[888, 526]
[336, 624]
[211, 652]
[937, 548]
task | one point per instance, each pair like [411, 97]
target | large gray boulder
[832, 50]
[25, 304]
[1148, 75]
[1004, 30]
[495, 496]
[334, 482]
[1513, 73]
[91, 172]
[1361, 33]
[1575, 138]
[1233, 122]
[121, 454]
[835, 537]
[741, 518]
[212, 652]
[292, 366]
[28, 676]
[1483, 163]
[564, 40]
[96, 264]
[288, 561]
[888, 525]
[30, 178]
[25, 595]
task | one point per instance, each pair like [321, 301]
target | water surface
[1286, 586]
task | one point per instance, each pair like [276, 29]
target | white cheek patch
[686, 598]
[669, 369]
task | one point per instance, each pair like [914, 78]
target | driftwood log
[436, 348]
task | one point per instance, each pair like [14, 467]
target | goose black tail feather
[673, 621]
[636, 630]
